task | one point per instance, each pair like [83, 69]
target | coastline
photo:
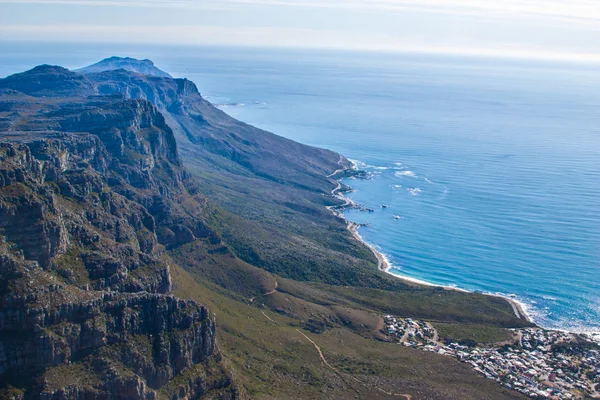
[384, 265]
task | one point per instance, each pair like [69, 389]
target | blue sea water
[493, 165]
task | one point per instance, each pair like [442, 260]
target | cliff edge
[92, 194]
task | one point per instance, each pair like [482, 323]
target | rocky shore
[383, 264]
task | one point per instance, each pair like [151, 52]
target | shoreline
[384, 265]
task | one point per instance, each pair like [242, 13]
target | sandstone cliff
[92, 192]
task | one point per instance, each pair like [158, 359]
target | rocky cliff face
[92, 192]
[211, 139]
[275, 188]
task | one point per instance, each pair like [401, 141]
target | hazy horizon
[508, 28]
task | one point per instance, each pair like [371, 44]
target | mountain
[50, 80]
[144, 67]
[266, 180]
[153, 247]
[92, 192]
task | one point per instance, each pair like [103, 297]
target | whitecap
[443, 197]
[404, 173]
[358, 164]
[227, 105]
[549, 298]
[414, 191]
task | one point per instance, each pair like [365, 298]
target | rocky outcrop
[92, 192]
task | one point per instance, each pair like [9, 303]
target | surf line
[383, 263]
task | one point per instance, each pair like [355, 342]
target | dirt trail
[269, 318]
[336, 371]
[274, 290]
[267, 293]
[324, 360]
[318, 349]
[436, 335]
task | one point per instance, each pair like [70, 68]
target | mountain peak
[144, 67]
[49, 80]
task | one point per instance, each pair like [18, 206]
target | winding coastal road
[338, 170]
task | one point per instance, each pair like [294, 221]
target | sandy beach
[383, 263]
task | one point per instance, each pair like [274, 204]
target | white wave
[358, 164]
[443, 197]
[414, 191]
[404, 173]
[427, 180]
[227, 105]
[397, 186]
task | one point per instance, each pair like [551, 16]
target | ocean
[491, 165]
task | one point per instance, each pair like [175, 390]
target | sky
[557, 29]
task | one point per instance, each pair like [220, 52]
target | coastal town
[541, 364]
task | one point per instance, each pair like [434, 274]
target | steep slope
[216, 139]
[92, 191]
[275, 190]
[100, 223]
[49, 80]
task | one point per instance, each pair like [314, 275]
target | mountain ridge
[144, 67]
[90, 196]
[133, 212]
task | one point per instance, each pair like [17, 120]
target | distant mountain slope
[119, 190]
[49, 80]
[144, 67]
[275, 188]
[207, 135]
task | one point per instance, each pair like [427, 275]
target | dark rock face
[209, 138]
[92, 191]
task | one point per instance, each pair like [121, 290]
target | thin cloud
[273, 37]
[586, 10]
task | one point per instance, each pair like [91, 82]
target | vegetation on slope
[298, 300]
